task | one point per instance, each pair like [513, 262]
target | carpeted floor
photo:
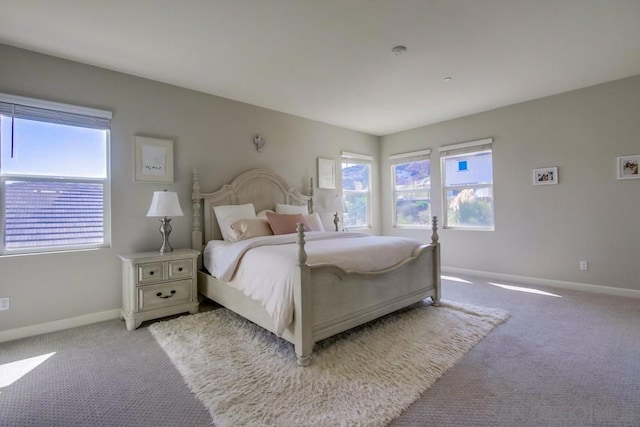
[245, 375]
[564, 358]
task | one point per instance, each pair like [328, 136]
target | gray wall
[544, 231]
[540, 231]
[212, 134]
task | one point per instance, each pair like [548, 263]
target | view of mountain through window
[412, 192]
[356, 190]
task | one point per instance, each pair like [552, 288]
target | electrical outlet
[584, 265]
[5, 303]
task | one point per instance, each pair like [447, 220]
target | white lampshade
[165, 203]
[336, 204]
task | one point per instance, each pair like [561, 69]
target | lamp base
[165, 230]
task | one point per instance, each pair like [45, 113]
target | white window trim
[456, 150]
[410, 156]
[350, 155]
[57, 106]
[66, 108]
[398, 159]
[464, 146]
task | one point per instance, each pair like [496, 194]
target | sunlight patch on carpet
[245, 375]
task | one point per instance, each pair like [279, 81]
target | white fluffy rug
[245, 375]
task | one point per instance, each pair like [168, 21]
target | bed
[326, 298]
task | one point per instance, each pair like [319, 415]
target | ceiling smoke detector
[399, 50]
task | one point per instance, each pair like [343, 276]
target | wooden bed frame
[327, 299]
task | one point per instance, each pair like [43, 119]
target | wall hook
[259, 141]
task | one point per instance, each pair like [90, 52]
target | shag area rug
[245, 375]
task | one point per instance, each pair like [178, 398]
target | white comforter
[264, 268]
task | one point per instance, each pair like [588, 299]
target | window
[356, 190]
[411, 175]
[54, 176]
[467, 176]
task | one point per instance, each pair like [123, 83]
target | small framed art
[628, 167]
[326, 173]
[153, 159]
[545, 176]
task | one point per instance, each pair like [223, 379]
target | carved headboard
[261, 187]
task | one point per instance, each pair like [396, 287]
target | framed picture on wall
[628, 167]
[153, 159]
[326, 173]
[545, 176]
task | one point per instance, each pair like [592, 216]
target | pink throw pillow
[285, 223]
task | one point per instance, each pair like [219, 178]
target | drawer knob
[151, 273]
[179, 268]
[159, 294]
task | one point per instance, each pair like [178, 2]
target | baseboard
[58, 325]
[621, 292]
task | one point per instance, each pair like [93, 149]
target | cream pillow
[228, 214]
[251, 227]
[313, 221]
[291, 209]
[263, 214]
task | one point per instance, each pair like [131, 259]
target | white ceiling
[331, 60]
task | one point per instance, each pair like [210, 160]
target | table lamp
[165, 204]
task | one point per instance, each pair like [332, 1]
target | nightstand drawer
[150, 273]
[179, 269]
[164, 295]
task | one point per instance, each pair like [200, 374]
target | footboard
[331, 300]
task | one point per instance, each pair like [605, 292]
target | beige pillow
[253, 227]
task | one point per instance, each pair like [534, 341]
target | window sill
[50, 252]
[361, 227]
[469, 228]
[412, 227]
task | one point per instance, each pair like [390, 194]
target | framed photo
[153, 159]
[545, 176]
[326, 173]
[628, 167]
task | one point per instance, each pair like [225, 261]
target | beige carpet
[368, 376]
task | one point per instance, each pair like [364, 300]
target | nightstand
[158, 284]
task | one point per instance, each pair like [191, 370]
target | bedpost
[436, 260]
[302, 254]
[196, 227]
[302, 306]
[313, 198]
[434, 230]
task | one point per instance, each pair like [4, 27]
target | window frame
[98, 116]
[363, 159]
[460, 150]
[402, 159]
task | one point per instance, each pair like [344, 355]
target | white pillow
[313, 221]
[228, 214]
[291, 209]
[263, 214]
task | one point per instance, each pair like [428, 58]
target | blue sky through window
[48, 149]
